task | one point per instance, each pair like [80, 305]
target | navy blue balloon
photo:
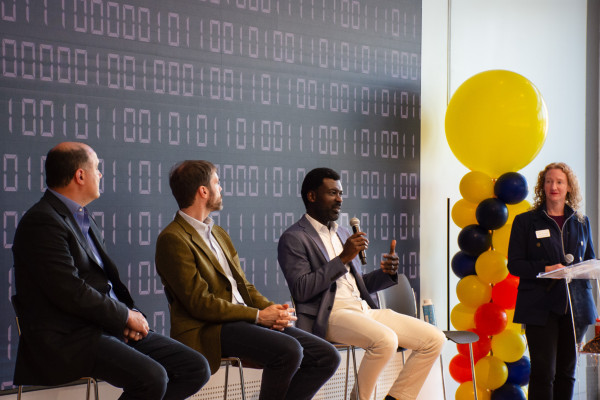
[508, 391]
[463, 264]
[474, 240]
[491, 213]
[511, 188]
[518, 372]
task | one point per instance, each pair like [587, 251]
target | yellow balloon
[462, 317]
[463, 213]
[496, 122]
[516, 209]
[465, 392]
[518, 328]
[490, 373]
[508, 345]
[476, 186]
[491, 266]
[472, 292]
[500, 239]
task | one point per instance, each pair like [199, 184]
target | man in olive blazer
[215, 310]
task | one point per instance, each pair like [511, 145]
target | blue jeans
[154, 368]
[295, 363]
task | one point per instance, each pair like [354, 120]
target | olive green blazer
[198, 290]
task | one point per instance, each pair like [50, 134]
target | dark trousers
[156, 367]
[553, 358]
[295, 363]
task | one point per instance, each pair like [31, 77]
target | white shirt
[347, 289]
[204, 229]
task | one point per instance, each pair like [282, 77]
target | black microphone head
[569, 258]
[354, 222]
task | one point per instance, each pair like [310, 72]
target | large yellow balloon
[496, 122]
[463, 213]
[465, 392]
[516, 209]
[508, 345]
[472, 292]
[500, 239]
[463, 317]
[490, 373]
[476, 186]
[491, 266]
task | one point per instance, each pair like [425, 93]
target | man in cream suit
[216, 311]
[332, 296]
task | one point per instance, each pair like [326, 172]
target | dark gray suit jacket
[311, 275]
[62, 292]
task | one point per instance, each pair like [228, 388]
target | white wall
[543, 40]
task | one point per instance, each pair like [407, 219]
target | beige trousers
[379, 333]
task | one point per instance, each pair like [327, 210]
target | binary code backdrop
[265, 89]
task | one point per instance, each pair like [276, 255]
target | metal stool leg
[347, 372]
[443, 380]
[473, 370]
[355, 370]
[226, 379]
[87, 390]
[241, 369]
[96, 388]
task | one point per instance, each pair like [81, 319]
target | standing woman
[540, 241]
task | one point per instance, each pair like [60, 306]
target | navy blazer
[311, 275]
[535, 242]
[63, 295]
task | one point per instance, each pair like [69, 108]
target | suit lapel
[69, 219]
[305, 224]
[200, 243]
[222, 243]
[540, 225]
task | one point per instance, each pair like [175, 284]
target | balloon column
[496, 123]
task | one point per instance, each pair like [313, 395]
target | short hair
[314, 179]
[61, 165]
[186, 177]
[573, 199]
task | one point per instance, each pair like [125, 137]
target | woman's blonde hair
[573, 199]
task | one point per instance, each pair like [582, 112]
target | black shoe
[388, 397]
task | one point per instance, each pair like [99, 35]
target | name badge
[543, 233]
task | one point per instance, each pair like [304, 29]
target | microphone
[355, 224]
[569, 259]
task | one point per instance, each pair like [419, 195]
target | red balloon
[481, 348]
[504, 293]
[490, 319]
[460, 368]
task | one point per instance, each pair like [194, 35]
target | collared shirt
[82, 218]
[204, 229]
[347, 289]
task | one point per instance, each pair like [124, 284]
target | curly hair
[573, 199]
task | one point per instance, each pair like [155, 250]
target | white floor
[333, 390]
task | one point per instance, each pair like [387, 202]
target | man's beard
[213, 203]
